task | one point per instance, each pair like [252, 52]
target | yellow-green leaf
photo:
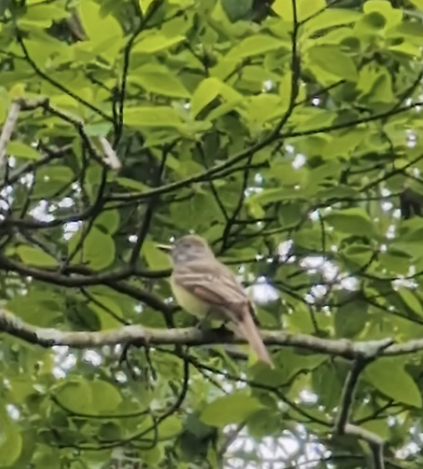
[35, 256]
[97, 27]
[157, 79]
[304, 8]
[158, 116]
[156, 42]
[10, 444]
[22, 150]
[254, 45]
[342, 145]
[285, 87]
[417, 3]
[332, 60]
[100, 29]
[330, 18]
[204, 94]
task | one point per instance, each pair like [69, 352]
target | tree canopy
[287, 133]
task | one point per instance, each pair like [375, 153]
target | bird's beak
[165, 247]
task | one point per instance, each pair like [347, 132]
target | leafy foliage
[287, 133]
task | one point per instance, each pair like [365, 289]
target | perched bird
[206, 288]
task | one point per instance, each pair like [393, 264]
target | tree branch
[46, 337]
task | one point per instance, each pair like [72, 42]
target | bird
[208, 289]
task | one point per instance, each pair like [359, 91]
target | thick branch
[45, 337]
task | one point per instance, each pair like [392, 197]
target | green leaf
[110, 431]
[263, 107]
[97, 130]
[37, 308]
[357, 255]
[332, 60]
[395, 261]
[308, 238]
[224, 68]
[156, 42]
[301, 320]
[392, 16]
[345, 143]
[273, 195]
[160, 116]
[170, 428]
[105, 396]
[10, 444]
[235, 408]
[145, 4]
[152, 457]
[35, 256]
[97, 249]
[75, 394]
[378, 427]
[254, 45]
[286, 173]
[22, 150]
[389, 377]
[285, 90]
[411, 31]
[411, 300]
[157, 79]
[237, 10]
[47, 186]
[156, 259]
[205, 93]
[263, 423]
[411, 230]
[354, 221]
[316, 119]
[108, 220]
[131, 184]
[382, 91]
[46, 12]
[350, 319]
[326, 373]
[108, 312]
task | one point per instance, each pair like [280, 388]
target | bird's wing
[217, 286]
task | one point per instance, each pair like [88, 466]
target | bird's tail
[249, 331]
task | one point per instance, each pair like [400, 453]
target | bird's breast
[189, 302]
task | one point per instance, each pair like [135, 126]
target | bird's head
[187, 248]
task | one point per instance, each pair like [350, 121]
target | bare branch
[8, 128]
[110, 157]
[45, 337]
[375, 442]
[348, 396]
